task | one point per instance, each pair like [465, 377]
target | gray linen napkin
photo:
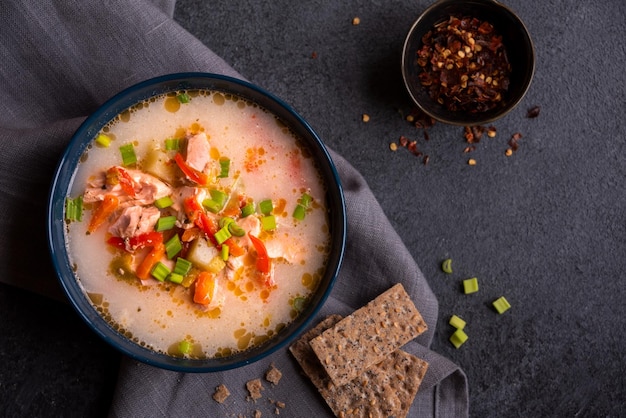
[62, 59]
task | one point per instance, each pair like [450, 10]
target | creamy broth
[250, 304]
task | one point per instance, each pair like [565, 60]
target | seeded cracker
[368, 335]
[386, 389]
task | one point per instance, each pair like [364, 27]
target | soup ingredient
[387, 388]
[105, 209]
[470, 285]
[355, 343]
[74, 209]
[446, 266]
[103, 140]
[533, 112]
[457, 322]
[501, 304]
[458, 338]
[464, 64]
[128, 154]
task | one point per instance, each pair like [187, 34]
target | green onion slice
[299, 212]
[128, 154]
[175, 278]
[446, 266]
[222, 235]
[247, 210]
[502, 305]
[172, 144]
[224, 168]
[165, 223]
[184, 347]
[470, 285]
[182, 266]
[457, 322]
[225, 221]
[103, 140]
[236, 230]
[458, 338]
[74, 209]
[225, 252]
[164, 202]
[306, 199]
[266, 206]
[183, 98]
[160, 271]
[173, 246]
[268, 223]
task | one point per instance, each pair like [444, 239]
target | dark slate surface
[545, 227]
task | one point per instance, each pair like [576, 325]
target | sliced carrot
[234, 249]
[205, 288]
[103, 211]
[145, 268]
[120, 176]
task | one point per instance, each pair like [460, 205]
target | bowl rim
[479, 121]
[64, 176]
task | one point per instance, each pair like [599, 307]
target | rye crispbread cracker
[368, 335]
[386, 389]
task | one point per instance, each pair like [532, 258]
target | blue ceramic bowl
[64, 176]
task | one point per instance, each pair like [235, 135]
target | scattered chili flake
[314, 55]
[426, 159]
[471, 161]
[413, 148]
[508, 152]
[464, 63]
[356, 21]
[404, 141]
[513, 142]
[491, 131]
[533, 112]
[393, 146]
[469, 149]
[365, 117]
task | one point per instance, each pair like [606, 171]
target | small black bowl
[516, 40]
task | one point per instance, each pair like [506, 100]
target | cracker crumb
[273, 375]
[221, 393]
[254, 388]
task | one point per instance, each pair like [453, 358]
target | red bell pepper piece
[263, 262]
[123, 178]
[191, 173]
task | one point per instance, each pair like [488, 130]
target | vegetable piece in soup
[205, 227]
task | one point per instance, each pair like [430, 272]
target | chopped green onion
[306, 199]
[172, 144]
[173, 246]
[211, 205]
[458, 338]
[160, 271]
[266, 206]
[175, 278]
[457, 322]
[299, 212]
[128, 154]
[163, 202]
[222, 235]
[184, 347]
[183, 98]
[236, 230]
[165, 223]
[299, 303]
[268, 223]
[103, 140]
[182, 266]
[446, 266]
[216, 202]
[224, 168]
[247, 210]
[225, 252]
[225, 221]
[470, 285]
[74, 209]
[502, 305]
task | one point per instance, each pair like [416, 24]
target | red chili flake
[513, 142]
[469, 149]
[426, 135]
[468, 134]
[478, 132]
[314, 55]
[404, 140]
[533, 112]
[426, 159]
[413, 148]
[464, 69]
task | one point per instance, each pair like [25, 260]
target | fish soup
[204, 228]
